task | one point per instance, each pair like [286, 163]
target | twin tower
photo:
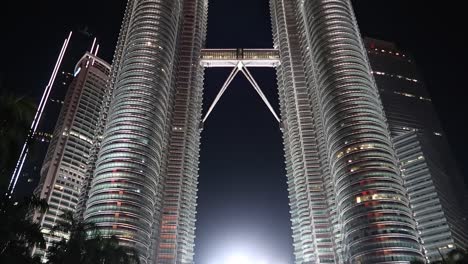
[348, 203]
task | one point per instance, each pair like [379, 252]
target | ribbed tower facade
[64, 168]
[348, 203]
[144, 181]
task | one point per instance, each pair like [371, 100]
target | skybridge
[240, 60]
[231, 57]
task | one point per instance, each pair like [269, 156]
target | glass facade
[348, 202]
[177, 234]
[64, 167]
[145, 166]
[435, 187]
[126, 192]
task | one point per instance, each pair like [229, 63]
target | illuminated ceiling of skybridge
[231, 57]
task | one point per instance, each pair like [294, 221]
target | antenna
[37, 118]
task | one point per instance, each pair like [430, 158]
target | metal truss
[239, 59]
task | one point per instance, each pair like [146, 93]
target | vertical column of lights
[332, 215]
[37, 118]
[371, 201]
[125, 197]
[309, 210]
[176, 241]
[91, 51]
[98, 133]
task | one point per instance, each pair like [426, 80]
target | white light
[237, 259]
[92, 46]
[77, 71]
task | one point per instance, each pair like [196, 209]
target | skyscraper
[434, 185]
[63, 170]
[348, 202]
[27, 171]
[29, 177]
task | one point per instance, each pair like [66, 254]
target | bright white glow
[238, 259]
[92, 46]
[97, 50]
[246, 259]
[77, 72]
[95, 53]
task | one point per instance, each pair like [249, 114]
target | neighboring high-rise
[40, 141]
[348, 202]
[434, 185]
[63, 170]
[27, 171]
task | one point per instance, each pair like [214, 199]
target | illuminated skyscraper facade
[347, 197]
[63, 170]
[435, 187]
[145, 178]
[348, 203]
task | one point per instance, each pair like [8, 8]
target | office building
[63, 170]
[435, 187]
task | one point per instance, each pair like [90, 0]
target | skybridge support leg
[241, 68]
[255, 85]
[221, 92]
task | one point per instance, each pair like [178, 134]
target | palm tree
[18, 234]
[85, 245]
[16, 113]
[457, 256]
[114, 253]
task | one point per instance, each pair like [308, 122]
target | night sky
[243, 204]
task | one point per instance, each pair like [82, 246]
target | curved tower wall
[125, 195]
[145, 167]
[177, 235]
[311, 225]
[368, 209]
[99, 131]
